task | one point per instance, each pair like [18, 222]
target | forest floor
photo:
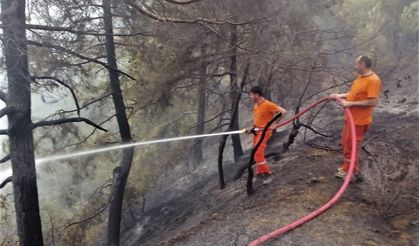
[367, 214]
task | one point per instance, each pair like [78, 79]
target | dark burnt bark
[234, 95]
[230, 128]
[122, 171]
[202, 98]
[25, 191]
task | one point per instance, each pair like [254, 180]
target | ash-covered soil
[380, 210]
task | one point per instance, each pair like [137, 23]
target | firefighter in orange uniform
[263, 111]
[361, 100]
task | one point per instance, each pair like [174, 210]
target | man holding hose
[361, 100]
[263, 111]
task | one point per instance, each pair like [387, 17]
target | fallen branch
[315, 131]
[182, 2]
[364, 148]
[316, 146]
[380, 134]
[104, 206]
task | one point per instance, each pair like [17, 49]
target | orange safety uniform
[262, 114]
[363, 88]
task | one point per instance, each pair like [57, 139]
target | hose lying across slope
[340, 192]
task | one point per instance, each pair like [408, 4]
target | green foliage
[7, 234]
[409, 19]
[297, 42]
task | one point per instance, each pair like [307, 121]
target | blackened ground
[381, 210]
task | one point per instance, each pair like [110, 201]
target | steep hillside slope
[381, 210]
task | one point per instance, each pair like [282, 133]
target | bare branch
[63, 84]
[61, 112]
[91, 133]
[365, 143]
[98, 192]
[4, 159]
[6, 181]
[78, 32]
[104, 206]
[7, 110]
[222, 74]
[69, 120]
[226, 39]
[68, 51]
[141, 9]
[316, 146]
[314, 130]
[176, 119]
[3, 96]
[183, 2]
[211, 119]
[218, 127]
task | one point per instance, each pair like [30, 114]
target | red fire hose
[287, 228]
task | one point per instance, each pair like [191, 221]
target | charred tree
[234, 94]
[121, 173]
[202, 98]
[230, 127]
[25, 191]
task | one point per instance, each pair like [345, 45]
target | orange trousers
[262, 166]
[347, 144]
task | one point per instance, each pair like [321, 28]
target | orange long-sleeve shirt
[363, 88]
[264, 112]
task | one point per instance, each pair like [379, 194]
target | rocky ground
[381, 210]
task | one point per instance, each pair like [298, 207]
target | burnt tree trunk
[25, 191]
[230, 126]
[121, 173]
[202, 98]
[267, 92]
[234, 95]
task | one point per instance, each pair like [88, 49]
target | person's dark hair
[366, 60]
[257, 90]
